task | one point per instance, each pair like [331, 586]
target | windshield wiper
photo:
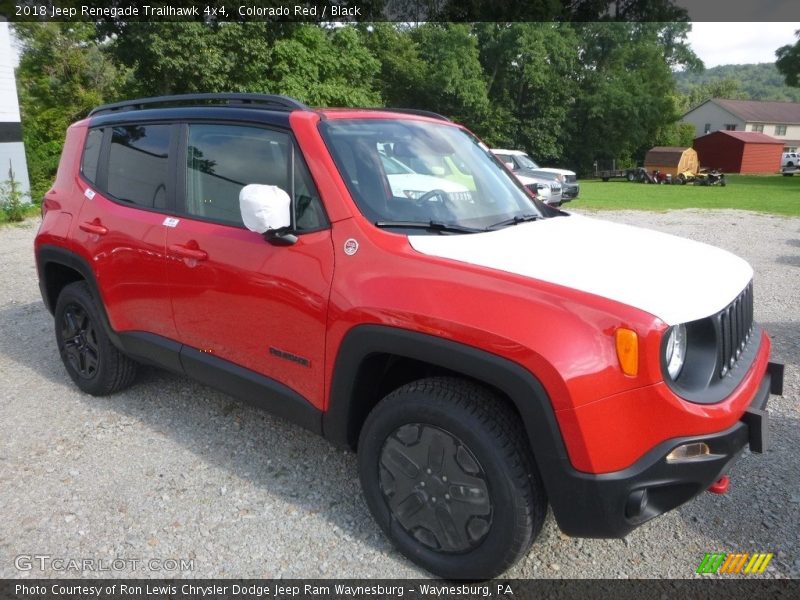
[516, 220]
[430, 226]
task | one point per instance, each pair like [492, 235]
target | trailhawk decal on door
[675, 279]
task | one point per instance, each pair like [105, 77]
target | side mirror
[509, 165]
[266, 209]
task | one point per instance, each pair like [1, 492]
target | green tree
[314, 64]
[788, 62]
[402, 70]
[530, 70]
[190, 57]
[451, 81]
[63, 73]
[719, 88]
[325, 67]
[626, 98]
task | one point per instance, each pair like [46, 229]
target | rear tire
[95, 365]
[447, 473]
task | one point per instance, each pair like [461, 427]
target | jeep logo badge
[350, 247]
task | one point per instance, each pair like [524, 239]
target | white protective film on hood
[675, 279]
[264, 207]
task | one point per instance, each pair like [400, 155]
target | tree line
[568, 93]
[760, 81]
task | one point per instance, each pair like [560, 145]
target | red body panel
[613, 432]
[128, 263]
[248, 296]
[226, 291]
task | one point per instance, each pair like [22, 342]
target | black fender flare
[525, 391]
[48, 254]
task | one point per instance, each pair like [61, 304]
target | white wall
[13, 151]
[790, 138]
[9, 106]
[713, 114]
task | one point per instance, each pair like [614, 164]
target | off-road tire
[480, 439]
[92, 361]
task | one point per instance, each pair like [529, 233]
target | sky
[740, 43]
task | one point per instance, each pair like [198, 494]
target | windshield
[526, 162]
[403, 173]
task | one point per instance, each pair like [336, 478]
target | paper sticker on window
[171, 222]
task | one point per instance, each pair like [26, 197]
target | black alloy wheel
[435, 487]
[80, 341]
[92, 361]
[448, 475]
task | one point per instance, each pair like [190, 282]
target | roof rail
[262, 101]
[416, 111]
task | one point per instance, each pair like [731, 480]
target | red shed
[739, 152]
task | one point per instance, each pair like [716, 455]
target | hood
[544, 175]
[674, 279]
[527, 177]
[556, 171]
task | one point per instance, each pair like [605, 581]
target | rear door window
[138, 164]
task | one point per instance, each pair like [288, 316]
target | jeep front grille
[735, 326]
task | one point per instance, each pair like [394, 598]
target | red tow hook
[721, 485]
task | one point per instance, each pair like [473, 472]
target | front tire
[95, 365]
[448, 476]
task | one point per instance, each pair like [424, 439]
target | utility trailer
[609, 170]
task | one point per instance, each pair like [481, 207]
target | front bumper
[611, 505]
[570, 191]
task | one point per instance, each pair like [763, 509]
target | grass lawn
[763, 193]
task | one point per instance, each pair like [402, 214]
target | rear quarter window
[91, 154]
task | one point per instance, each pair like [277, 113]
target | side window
[222, 159]
[91, 154]
[137, 164]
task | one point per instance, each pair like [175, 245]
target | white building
[12, 151]
[780, 120]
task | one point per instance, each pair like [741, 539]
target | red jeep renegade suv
[376, 276]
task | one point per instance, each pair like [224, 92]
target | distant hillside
[755, 82]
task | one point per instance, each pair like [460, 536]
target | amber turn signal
[628, 351]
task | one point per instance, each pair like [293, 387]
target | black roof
[259, 108]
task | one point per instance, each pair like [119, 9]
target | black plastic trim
[194, 113]
[152, 349]
[702, 366]
[776, 372]
[10, 132]
[584, 504]
[247, 385]
[253, 388]
[47, 254]
[598, 506]
[344, 415]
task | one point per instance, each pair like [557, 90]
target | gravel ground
[170, 469]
